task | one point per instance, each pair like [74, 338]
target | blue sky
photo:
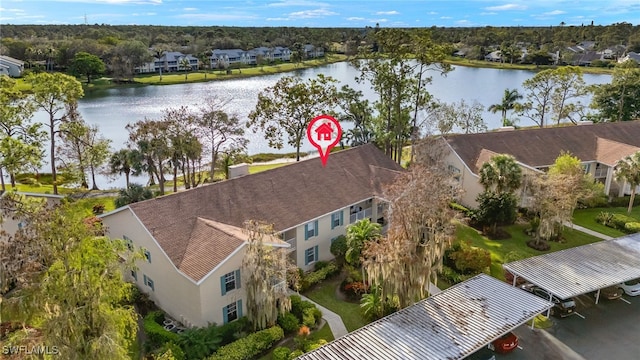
[321, 13]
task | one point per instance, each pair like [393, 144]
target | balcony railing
[366, 213]
[281, 286]
[292, 242]
[601, 172]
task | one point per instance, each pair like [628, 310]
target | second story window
[336, 219]
[311, 230]
[230, 281]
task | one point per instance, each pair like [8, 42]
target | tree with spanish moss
[421, 228]
[264, 268]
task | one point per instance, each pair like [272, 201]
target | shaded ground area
[610, 330]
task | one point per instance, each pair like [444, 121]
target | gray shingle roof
[450, 325]
[582, 269]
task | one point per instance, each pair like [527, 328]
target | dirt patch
[538, 245]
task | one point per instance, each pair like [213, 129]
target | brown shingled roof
[541, 147]
[286, 196]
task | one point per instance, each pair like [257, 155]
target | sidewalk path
[334, 320]
[587, 231]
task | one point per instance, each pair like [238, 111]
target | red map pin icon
[324, 132]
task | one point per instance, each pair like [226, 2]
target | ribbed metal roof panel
[449, 325]
[582, 269]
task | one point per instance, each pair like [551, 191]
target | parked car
[632, 287]
[611, 293]
[561, 308]
[505, 344]
[483, 354]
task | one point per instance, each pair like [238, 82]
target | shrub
[232, 331]
[451, 276]
[307, 317]
[281, 353]
[317, 314]
[288, 322]
[623, 201]
[339, 248]
[354, 290]
[604, 218]
[619, 221]
[250, 346]
[353, 274]
[632, 227]
[471, 260]
[315, 277]
[156, 332]
[176, 351]
[319, 265]
[314, 345]
[460, 208]
[298, 307]
[295, 354]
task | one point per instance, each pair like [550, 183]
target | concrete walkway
[587, 231]
[334, 320]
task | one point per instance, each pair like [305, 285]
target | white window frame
[234, 306]
[230, 278]
[306, 255]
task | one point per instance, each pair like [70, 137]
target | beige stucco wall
[211, 296]
[174, 293]
[469, 182]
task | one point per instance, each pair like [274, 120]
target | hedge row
[621, 222]
[315, 277]
[249, 347]
[156, 333]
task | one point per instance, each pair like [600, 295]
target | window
[230, 281]
[336, 219]
[311, 230]
[232, 311]
[311, 255]
[149, 282]
[147, 255]
[134, 275]
[128, 242]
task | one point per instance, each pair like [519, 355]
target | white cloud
[190, 9]
[117, 2]
[277, 19]
[310, 14]
[378, 20]
[463, 22]
[12, 10]
[432, 13]
[392, 12]
[445, 17]
[554, 12]
[355, 18]
[289, 3]
[488, 13]
[217, 17]
[506, 7]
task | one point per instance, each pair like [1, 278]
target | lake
[112, 109]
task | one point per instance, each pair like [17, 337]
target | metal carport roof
[583, 269]
[449, 325]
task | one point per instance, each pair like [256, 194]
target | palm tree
[509, 102]
[186, 65]
[205, 62]
[358, 234]
[628, 171]
[121, 162]
[502, 173]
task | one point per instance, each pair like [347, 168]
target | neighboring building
[10, 66]
[228, 57]
[630, 56]
[311, 51]
[193, 242]
[10, 225]
[168, 62]
[598, 146]
[495, 56]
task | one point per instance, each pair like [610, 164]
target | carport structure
[450, 325]
[583, 269]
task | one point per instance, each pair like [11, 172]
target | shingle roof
[582, 269]
[286, 197]
[449, 325]
[541, 147]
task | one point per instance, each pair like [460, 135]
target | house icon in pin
[324, 132]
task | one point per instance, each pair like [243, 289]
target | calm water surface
[112, 109]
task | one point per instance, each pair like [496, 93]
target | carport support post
[550, 300]
[597, 296]
[515, 277]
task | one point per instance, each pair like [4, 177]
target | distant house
[311, 51]
[586, 58]
[495, 56]
[228, 57]
[9, 224]
[194, 243]
[598, 146]
[168, 62]
[10, 66]
[633, 56]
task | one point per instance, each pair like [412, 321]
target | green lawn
[262, 167]
[325, 295]
[587, 218]
[500, 248]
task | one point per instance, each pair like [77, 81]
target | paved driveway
[610, 330]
